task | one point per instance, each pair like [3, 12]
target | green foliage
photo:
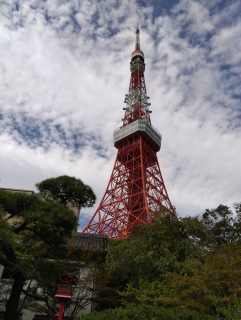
[33, 236]
[232, 311]
[147, 312]
[190, 264]
[67, 190]
[222, 225]
[33, 228]
[154, 249]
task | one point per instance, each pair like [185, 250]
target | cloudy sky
[64, 72]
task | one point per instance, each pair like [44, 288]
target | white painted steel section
[138, 125]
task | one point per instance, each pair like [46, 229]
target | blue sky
[64, 72]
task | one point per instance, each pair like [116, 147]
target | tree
[155, 248]
[220, 224]
[190, 264]
[147, 312]
[31, 232]
[144, 257]
[67, 190]
[34, 233]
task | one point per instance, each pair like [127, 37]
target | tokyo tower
[136, 192]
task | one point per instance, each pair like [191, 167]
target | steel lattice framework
[136, 191]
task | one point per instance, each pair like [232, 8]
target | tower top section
[137, 104]
[137, 53]
[137, 38]
[137, 121]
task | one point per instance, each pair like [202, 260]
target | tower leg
[135, 192]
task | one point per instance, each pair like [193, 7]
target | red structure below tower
[136, 191]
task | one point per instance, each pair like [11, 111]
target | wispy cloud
[64, 72]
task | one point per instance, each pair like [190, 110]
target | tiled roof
[18, 190]
[91, 242]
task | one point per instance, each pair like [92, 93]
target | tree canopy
[67, 190]
[186, 269]
[33, 239]
[147, 312]
[31, 232]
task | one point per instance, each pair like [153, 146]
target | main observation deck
[139, 126]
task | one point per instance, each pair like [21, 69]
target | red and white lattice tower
[136, 191]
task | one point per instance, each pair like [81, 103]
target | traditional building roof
[91, 242]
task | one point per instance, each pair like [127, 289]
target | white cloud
[65, 71]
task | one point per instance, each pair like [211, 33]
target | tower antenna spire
[136, 192]
[137, 38]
